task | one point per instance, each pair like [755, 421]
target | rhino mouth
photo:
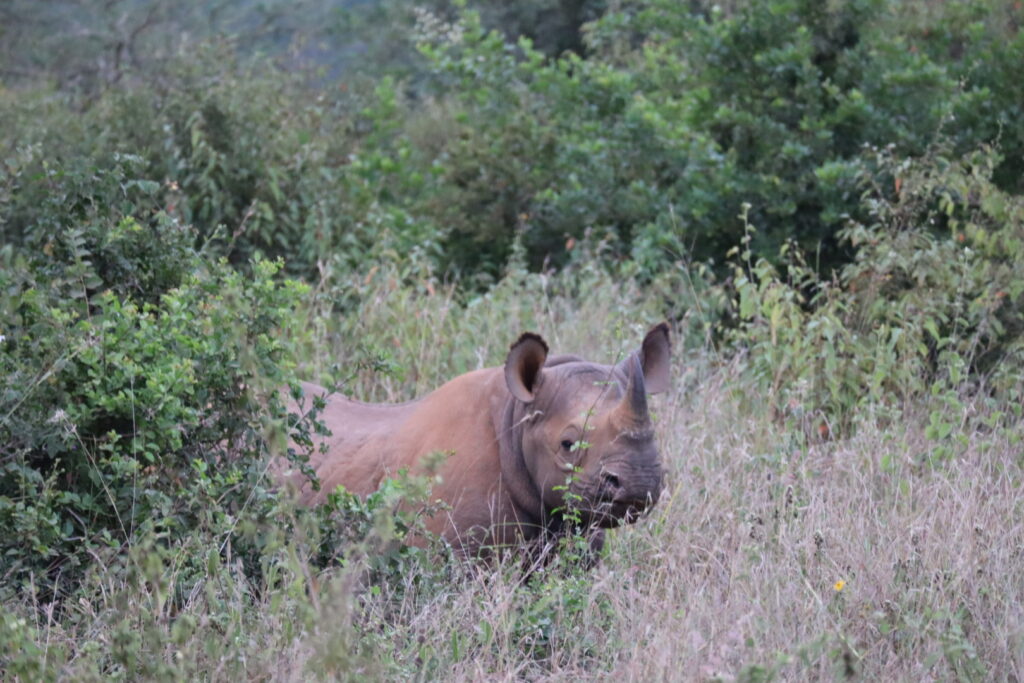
[620, 504]
[612, 501]
[615, 512]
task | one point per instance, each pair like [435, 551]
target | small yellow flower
[839, 585]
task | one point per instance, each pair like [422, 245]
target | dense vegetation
[198, 208]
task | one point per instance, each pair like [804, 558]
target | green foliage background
[192, 203]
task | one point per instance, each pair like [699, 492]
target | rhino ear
[655, 354]
[524, 365]
[656, 359]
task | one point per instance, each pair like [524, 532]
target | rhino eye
[566, 444]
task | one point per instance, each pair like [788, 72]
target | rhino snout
[629, 492]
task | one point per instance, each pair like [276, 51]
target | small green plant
[575, 542]
[385, 528]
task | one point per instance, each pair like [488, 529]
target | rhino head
[584, 429]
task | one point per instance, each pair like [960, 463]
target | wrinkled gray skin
[516, 435]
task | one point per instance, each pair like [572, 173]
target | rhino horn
[631, 413]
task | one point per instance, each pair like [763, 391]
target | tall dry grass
[775, 553]
[764, 561]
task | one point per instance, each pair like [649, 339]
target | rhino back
[463, 420]
[353, 427]
[369, 442]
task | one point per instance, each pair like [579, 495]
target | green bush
[679, 116]
[140, 378]
[930, 307]
[254, 158]
[945, 257]
[652, 140]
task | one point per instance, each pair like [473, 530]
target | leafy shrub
[980, 44]
[138, 374]
[946, 255]
[679, 116]
[85, 226]
[673, 118]
[931, 304]
[542, 152]
[176, 607]
[255, 159]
